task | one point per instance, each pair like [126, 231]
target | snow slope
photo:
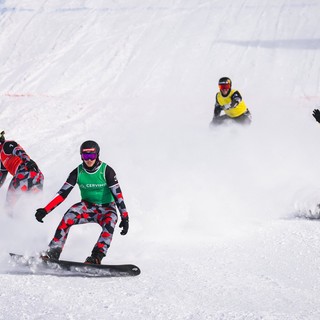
[211, 211]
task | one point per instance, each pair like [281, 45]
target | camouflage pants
[23, 181]
[85, 212]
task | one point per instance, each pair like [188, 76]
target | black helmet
[225, 81]
[2, 138]
[90, 146]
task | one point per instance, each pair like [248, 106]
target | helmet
[225, 82]
[90, 146]
[2, 138]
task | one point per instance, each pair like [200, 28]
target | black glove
[217, 110]
[124, 224]
[40, 214]
[233, 103]
[32, 166]
[316, 114]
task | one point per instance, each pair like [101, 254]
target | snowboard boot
[95, 258]
[52, 254]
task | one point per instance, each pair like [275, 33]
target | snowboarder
[316, 114]
[229, 101]
[26, 175]
[100, 194]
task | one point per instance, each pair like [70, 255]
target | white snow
[211, 211]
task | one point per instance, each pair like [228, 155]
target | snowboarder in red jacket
[27, 177]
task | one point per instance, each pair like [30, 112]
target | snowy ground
[211, 211]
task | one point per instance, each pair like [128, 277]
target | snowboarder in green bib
[100, 195]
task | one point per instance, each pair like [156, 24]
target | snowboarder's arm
[61, 195]
[235, 99]
[11, 147]
[63, 192]
[18, 151]
[217, 108]
[114, 187]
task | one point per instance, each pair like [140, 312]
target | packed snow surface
[213, 213]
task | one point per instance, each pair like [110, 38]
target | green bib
[93, 186]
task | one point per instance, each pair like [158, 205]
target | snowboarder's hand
[233, 104]
[227, 107]
[217, 110]
[124, 224]
[32, 166]
[316, 114]
[40, 214]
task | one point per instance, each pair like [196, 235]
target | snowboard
[64, 267]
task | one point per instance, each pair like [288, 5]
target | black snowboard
[63, 267]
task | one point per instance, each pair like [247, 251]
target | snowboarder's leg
[35, 181]
[73, 216]
[22, 182]
[244, 119]
[107, 219]
[216, 121]
[15, 189]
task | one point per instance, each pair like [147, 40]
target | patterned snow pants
[85, 212]
[23, 181]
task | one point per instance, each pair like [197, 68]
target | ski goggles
[226, 86]
[89, 156]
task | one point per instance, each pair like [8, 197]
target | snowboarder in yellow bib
[230, 101]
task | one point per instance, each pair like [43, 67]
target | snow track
[211, 222]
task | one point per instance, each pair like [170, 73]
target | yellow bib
[235, 112]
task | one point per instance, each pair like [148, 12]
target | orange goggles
[226, 86]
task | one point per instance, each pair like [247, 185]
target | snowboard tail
[65, 267]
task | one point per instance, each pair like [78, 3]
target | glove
[227, 107]
[124, 224]
[32, 166]
[217, 110]
[234, 103]
[316, 114]
[40, 214]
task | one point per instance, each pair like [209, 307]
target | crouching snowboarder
[229, 101]
[100, 195]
